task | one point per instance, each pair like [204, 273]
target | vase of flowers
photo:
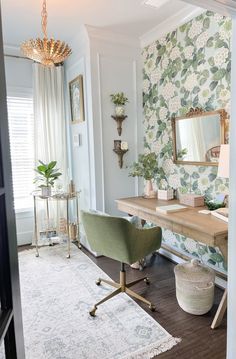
[47, 175]
[146, 167]
[119, 100]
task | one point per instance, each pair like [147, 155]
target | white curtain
[50, 121]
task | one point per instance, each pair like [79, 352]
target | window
[21, 129]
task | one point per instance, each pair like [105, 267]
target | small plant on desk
[146, 167]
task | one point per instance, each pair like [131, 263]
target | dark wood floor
[199, 341]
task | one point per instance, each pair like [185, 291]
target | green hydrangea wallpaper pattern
[190, 67]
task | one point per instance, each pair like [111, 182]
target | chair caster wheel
[98, 282]
[92, 312]
[152, 307]
[147, 281]
[36, 255]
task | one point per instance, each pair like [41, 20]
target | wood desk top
[201, 227]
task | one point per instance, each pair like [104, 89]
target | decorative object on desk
[171, 208]
[165, 194]
[77, 99]
[147, 168]
[119, 100]
[195, 285]
[213, 204]
[191, 199]
[48, 174]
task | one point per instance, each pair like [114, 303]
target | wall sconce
[120, 148]
[119, 120]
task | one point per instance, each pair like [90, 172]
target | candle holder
[119, 120]
[120, 153]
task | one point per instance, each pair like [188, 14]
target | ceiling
[21, 18]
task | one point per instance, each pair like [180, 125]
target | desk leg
[36, 228]
[68, 232]
[220, 311]
[223, 303]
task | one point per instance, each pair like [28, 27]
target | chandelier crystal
[46, 51]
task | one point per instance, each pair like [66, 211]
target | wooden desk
[203, 228]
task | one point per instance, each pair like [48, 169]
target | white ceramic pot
[166, 195]
[120, 110]
[46, 191]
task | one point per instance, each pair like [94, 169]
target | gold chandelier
[46, 51]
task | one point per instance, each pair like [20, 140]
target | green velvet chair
[118, 239]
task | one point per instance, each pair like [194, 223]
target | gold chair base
[122, 287]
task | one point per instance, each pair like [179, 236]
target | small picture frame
[77, 99]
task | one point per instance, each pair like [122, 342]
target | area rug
[57, 294]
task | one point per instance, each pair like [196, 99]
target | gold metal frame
[198, 112]
[122, 287]
[79, 81]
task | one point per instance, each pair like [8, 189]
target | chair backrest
[117, 238]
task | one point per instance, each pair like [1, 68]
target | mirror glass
[198, 138]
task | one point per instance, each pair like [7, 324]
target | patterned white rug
[57, 294]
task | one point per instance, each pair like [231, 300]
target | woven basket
[195, 285]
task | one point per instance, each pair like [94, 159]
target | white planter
[120, 110]
[46, 191]
[166, 195]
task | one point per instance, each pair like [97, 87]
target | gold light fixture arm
[44, 15]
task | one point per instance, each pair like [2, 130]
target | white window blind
[21, 129]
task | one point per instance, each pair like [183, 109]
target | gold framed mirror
[197, 137]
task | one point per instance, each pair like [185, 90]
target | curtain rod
[18, 57]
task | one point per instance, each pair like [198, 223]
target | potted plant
[146, 167]
[164, 191]
[47, 175]
[119, 100]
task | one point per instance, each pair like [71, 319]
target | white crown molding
[224, 7]
[172, 23]
[12, 50]
[112, 37]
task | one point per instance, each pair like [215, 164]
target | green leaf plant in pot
[146, 167]
[119, 100]
[47, 175]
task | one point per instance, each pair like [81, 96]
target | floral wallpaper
[190, 67]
